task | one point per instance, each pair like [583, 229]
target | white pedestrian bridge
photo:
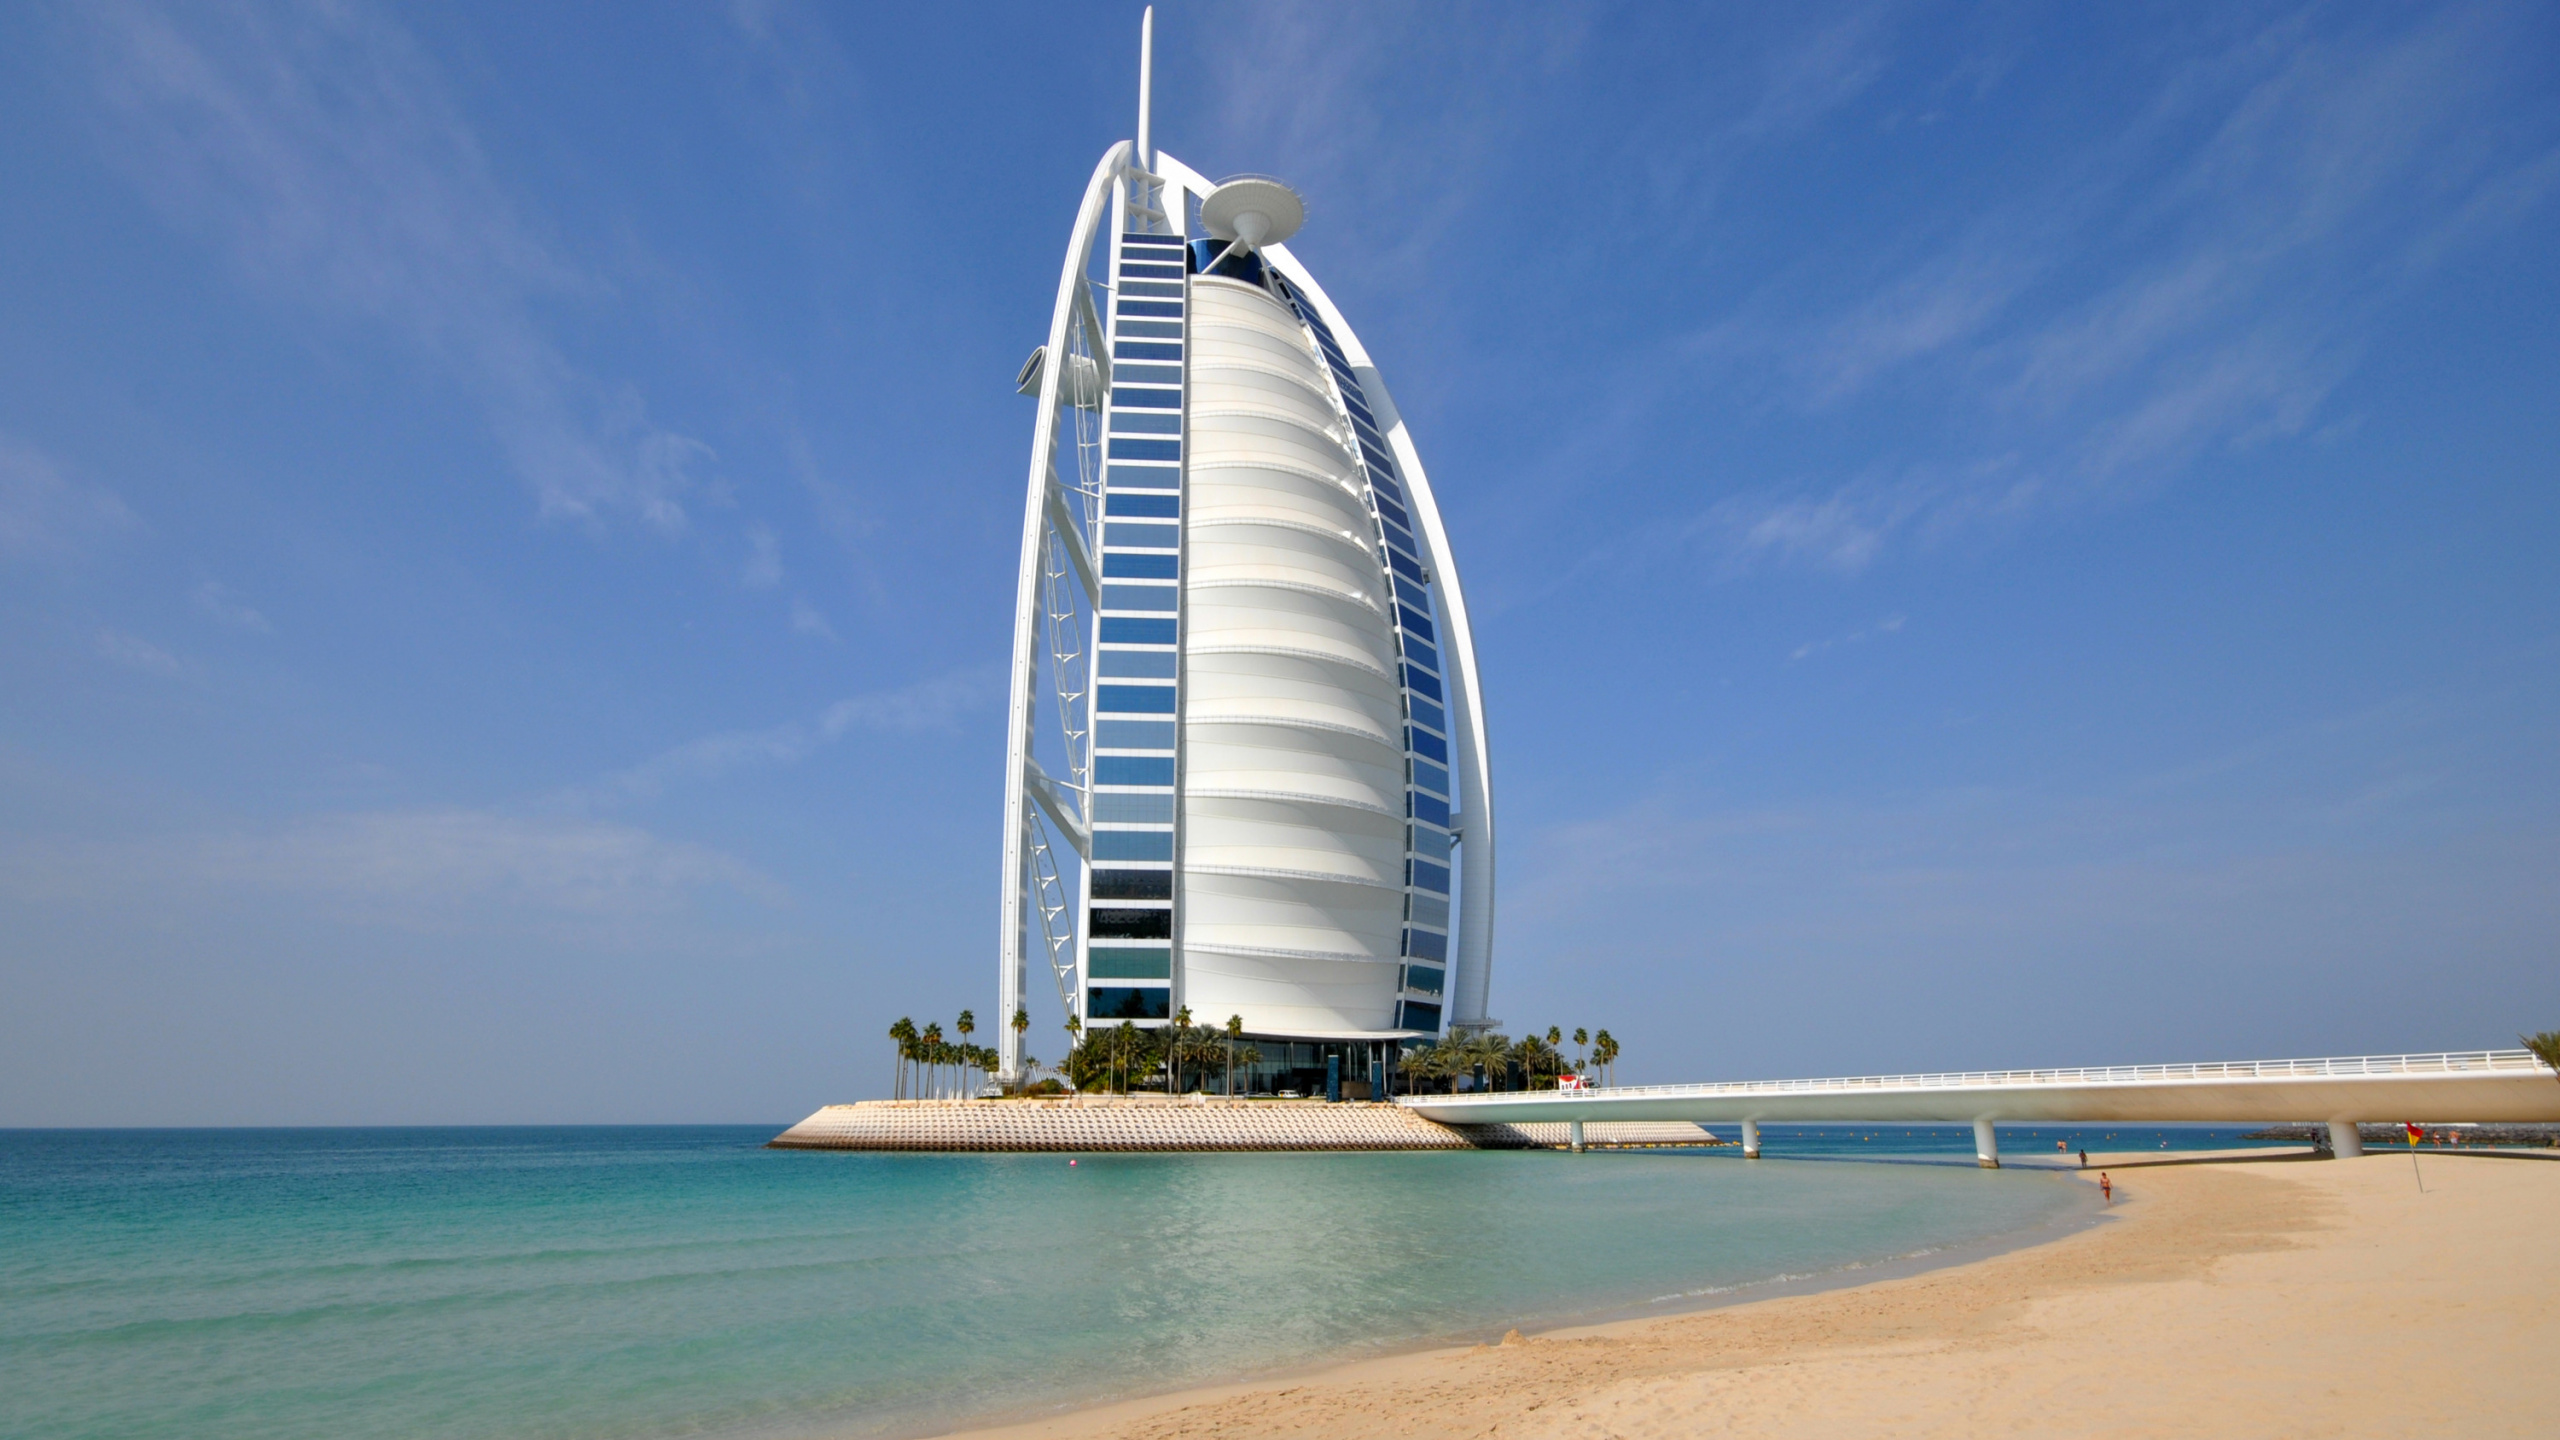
[2470, 1085]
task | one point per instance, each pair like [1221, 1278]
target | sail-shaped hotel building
[1246, 770]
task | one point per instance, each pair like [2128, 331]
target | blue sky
[1997, 536]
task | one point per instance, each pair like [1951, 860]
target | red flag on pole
[2415, 1134]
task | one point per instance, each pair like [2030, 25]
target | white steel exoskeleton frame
[1058, 541]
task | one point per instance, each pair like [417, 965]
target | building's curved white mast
[1135, 190]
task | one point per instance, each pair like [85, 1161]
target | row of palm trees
[1537, 1059]
[940, 1067]
[1114, 1058]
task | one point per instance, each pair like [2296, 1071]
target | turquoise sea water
[613, 1282]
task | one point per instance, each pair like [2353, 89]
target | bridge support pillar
[1750, 1139]
[1986, 1145]
[1575, 1126]
[2344, 1142]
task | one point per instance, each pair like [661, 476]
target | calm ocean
[610, 1282]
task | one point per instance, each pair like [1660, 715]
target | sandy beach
[2241, 1296]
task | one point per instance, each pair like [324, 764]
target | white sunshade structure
[1244, 691]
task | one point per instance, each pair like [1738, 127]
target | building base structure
[1196, 1123]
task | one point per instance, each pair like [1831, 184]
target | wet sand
[2247, 1295]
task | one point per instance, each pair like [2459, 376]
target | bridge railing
[2449, 1062]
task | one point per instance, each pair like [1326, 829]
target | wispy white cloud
[930, 704]
[216, 600]
[42, 512]
[135, 653]
[807, 619]
[764, 560]
[319, 145]
[2200, 283]
[1889, 625]
[403, 862]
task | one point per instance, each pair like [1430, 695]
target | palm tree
[1535, 1057]
[1581, 1037]
[1487, 1049]
[932, 1056]
[1235, 1032]
[1022, 1026]
[2545, 1047]
[1604, 1053]
[1177, 1049]
[904, 1033]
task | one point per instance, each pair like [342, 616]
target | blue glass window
[1148, 237]
[1144, 422]
[1423, 742]
[1120, 565]
[1424, 978]
[1127, 962]
[1428, 910]
[1368, 433]
[1124, 449]
[1133, 770]
[1152, 845]
[1418, 1016]
[1395, 512]
[1424, 711]
[1426, 876]
[1351, 397]
[1115, 807]
[1412, 594]
[1133, 268]
[1161, 309]
[1149, 287]
[1412, 622]
[1139, 664]
[1385, 484]
[1132, 884]
[1138, 700]
[1425, 841]
[1145, 477]
[1125, 398]
[1125, 373]
[1142, 537]
[1127, 1002]
[1423, 945]
[1424, 807]
[1119, 506]
[1407, 568]
[1118, 924]
[1432, 778]
[1416, 650]
[1140, 597]
[1136, 630]
[1401, 539]
[1148, 352]
[1426, 684]
[1150, 330]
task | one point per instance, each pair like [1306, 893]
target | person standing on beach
[2106, 1187]
[2084, 1159]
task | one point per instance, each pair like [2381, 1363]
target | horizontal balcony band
[1394, 745]
[1274, 952]
[1298, 587]
[1287, 797]
[1292, 652]
[1268, 872]
[1366, 549]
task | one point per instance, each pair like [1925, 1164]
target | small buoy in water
[1071, 1164]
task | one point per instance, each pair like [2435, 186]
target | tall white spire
[1146, 90]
